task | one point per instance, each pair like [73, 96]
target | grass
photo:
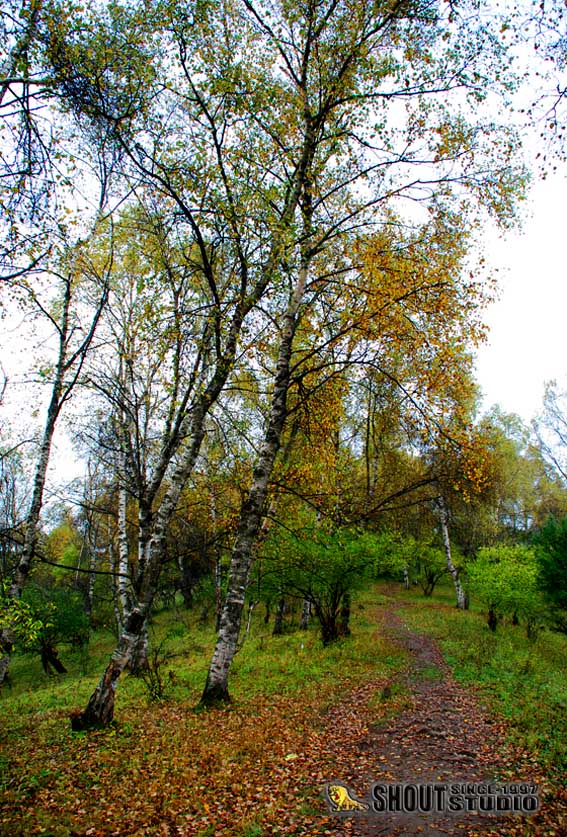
[240, 771]
[266, 664]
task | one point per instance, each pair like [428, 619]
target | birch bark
[250, 523]
[444, 514]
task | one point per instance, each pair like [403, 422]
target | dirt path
[443, 737]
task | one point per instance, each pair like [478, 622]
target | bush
[504, 580]
[19, 616]
[63, 620]
[551, 551]
[323, 565]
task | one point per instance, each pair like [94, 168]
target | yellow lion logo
[341, 799]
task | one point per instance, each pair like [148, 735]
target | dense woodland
[248, 237]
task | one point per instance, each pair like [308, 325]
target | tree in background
[551, 428]
[63, 619]
[322, 565]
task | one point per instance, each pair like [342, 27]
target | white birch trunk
[133, 639]
[447, 545]
[122, 581]
[216, 687]
[91, 577]
[100, 708]
[115, 593]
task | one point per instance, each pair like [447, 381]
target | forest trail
[441, 736]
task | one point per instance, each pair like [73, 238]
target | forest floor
[262, 766]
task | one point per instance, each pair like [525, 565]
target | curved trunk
[100, 708]
[216, 686]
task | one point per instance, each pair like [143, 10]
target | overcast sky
[528, 325]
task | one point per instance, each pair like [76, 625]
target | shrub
[551, 550]
[504, 579]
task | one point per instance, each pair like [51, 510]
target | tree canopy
[263, 218]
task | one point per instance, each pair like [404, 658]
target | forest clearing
[302, 716]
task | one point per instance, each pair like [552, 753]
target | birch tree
[327, 53]
[73, 340]
[444, 520]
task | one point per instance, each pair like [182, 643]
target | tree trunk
[251, 608]
[279, 618]
[185, 582]
[122, 580]
[91, 578]
[115, 595]
[218, 590]
[344, 624]
[139, 655]
[5, 660]
[100, 708]
[447, 544]
[50, 658]
[216, 686]
[329, 626]
[305, 615]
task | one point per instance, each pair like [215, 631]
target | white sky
[528, 325]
